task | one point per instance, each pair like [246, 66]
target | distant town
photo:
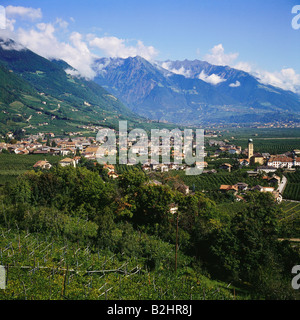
[72, 149]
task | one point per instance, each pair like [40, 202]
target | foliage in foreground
[60, 225]
[53, 268]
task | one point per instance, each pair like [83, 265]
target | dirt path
[282, 185]
[291, 239]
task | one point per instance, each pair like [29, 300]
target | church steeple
[250, 148]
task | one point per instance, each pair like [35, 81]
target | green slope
[40, 90]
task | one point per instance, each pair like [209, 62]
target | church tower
[250, 148]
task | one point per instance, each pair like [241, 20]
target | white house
[297, 162]
[67, 162]
[280, 162]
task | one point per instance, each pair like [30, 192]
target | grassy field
[12, 165]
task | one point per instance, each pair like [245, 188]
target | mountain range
[194, 92]
[42, 94]
[38, 93]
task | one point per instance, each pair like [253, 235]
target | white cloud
[62, 23]
[117, 48]
[212, 79]
[286, 79]
[11, 46]
[23, 12]
[244, 66]
[235, 85]
[2, 18]
[10, 24]
[75, 50]
[182, 71]
[7, 32]
[43, 41]
[218, 56]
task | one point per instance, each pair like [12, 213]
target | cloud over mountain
[217, 56]
[212, 79]
[286, 78]
[54, 40]
[235, 85]
[193, 91]
[120, 48]
[76, 48]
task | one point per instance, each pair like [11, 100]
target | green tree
[20, 192]
[19, 134]
[131, 181]
[248, 249]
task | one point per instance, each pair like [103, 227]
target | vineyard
[290, 210]
[290, 219]
[121, 168]
[44, 268]
[212, 182]
[13, 165]
[292, 190]
[272, 146]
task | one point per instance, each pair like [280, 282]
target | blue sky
[254, 35]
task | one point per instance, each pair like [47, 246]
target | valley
[74, 229]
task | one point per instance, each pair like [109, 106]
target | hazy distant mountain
[194, 92]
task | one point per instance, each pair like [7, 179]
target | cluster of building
[223, 146]
[286, 160]
[165, 167]
[40, 144]
[73, 162]
[266, 164]
[239, 189]
[73, 150]
[87, 147]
